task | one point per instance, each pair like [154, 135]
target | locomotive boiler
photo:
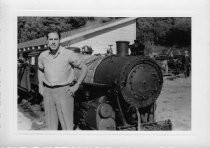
[119, 91]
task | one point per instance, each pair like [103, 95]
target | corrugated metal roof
[69, 35]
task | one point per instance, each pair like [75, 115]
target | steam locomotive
[119, 91]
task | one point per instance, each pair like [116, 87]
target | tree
[180, 33]
[166, 31]
[30, 28]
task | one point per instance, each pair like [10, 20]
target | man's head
[53, 39]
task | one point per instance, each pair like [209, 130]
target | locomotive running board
[157, 126]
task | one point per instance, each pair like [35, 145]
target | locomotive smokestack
[122, 48]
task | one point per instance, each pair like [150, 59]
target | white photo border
[197, 10]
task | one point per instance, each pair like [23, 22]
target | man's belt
[57, 86]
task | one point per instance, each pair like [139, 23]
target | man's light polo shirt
[58, 68]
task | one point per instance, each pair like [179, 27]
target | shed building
[98, 36]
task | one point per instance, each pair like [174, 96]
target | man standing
[186, 62]
[56, 77]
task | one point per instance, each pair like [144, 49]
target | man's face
[53, 41]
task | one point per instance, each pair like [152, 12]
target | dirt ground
[174, 103]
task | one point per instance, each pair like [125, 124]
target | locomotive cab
[28, 78]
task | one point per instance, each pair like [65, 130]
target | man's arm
[83, 73]
[84, 70]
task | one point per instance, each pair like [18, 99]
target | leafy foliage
[30, 28]
[166, 31]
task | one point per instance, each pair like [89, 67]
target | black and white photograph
[104, 73]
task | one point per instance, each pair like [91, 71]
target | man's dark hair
[53, 31]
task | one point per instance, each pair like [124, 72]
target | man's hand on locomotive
[41, 90]
[72, 89]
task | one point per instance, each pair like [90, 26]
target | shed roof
[77, 34]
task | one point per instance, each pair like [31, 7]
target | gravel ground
[174, 103]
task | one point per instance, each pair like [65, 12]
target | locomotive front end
[129, 86]
[140, 82]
